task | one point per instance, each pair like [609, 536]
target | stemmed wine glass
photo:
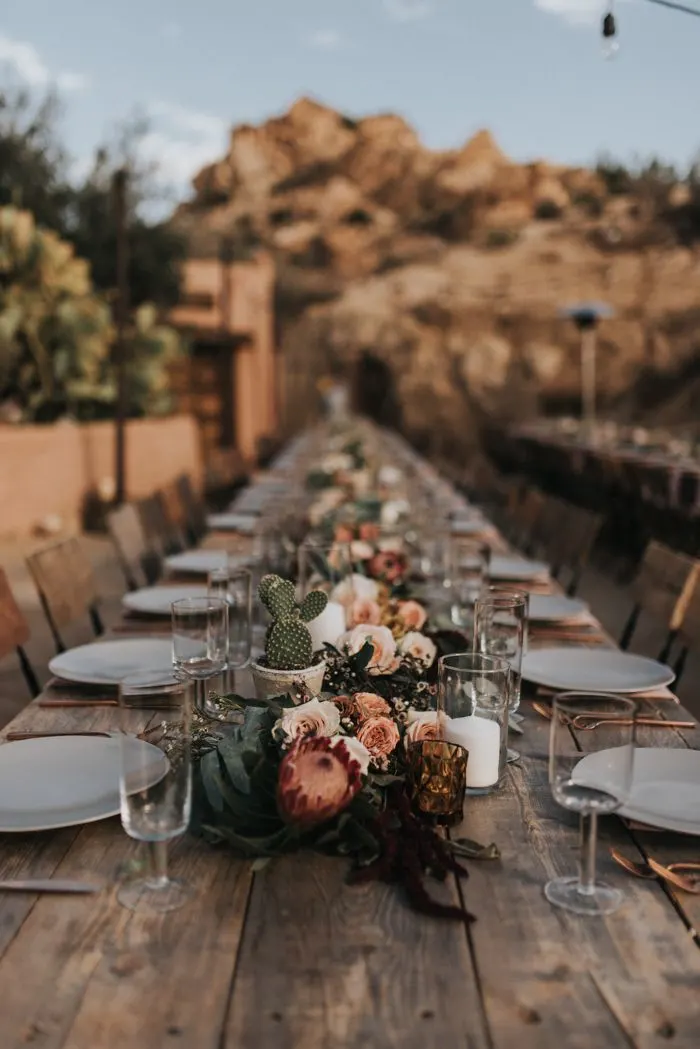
[593, 784]
[156, 782]
[200, 642]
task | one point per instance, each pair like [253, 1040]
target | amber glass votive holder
[437, 778]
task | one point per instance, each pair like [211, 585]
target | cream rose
[383, 659]
[379, 735]
[315, 718]
[370, 705]
[364, 611]
[421, 724]
[360, 550]
[355, 588]
[419, 646]
[358, 751]
[413, 614]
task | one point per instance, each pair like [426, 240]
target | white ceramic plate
[63, 781]
[202, 562]
[156, 600]
[546, 608]
[517, 568]
[665, 785]
[243, 523]
[108, 662]
[475, 526]
[593, 670]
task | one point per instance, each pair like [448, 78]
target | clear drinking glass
[472, 705]
[235, 586]
[469, 565]
[200, 635]
[156, 782]
[500, 629]
[590, 772]
[323, 566]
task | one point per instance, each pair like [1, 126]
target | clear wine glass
[156, 782]
[593, 783]
[500, 629]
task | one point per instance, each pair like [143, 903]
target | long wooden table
[285, 955]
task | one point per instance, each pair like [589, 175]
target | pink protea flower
[317, 780]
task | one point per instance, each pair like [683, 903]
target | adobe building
[229, 382]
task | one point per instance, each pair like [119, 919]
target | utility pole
[121, 313]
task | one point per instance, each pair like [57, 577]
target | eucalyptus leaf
[472, 850]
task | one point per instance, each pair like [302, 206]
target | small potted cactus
[288, 660]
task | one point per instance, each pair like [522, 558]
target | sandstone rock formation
[445, 271]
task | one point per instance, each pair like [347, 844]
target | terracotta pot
[270, 683]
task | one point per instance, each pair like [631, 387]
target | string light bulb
[610, 41]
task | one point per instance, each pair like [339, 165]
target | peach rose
[422, 724]
[379, 735]
[364, 611]
[369, 532]
[383, 659]
[345, 705]
[370, 705]
[413, 614]
[343, 534]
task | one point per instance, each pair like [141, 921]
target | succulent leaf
[288, 644]
[277, 594]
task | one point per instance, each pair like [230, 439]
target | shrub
[501, 238]
[546, 210]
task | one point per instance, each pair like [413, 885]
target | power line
[675, 6]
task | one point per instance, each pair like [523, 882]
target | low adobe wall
[47, 470]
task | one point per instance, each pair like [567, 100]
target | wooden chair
[663, 586]
[66, 583]
[568, 533]
[14, 633]
[688, 635]
[140, 563]
[159, 532]
[175, 513]
[528, 517]
[195, 510]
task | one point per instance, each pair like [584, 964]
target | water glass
[469, 566]
[323, 566]
[235, 587]
[500, 629]
[597, 783]
[200, 635]
[156, 782]
[473, 692]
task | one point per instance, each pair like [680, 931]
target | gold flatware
[62, 703]
[61, 885]
[12, 737]
[587, 722]
[671, 872]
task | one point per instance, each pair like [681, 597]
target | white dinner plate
[108, 662]
[156, 600]
[63, 781]
[243, 523]
[593, 670]
[202, 562]
[517, 568]
[546, 608]
[665, 785]
[474, 526]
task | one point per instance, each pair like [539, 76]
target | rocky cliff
[434, 278]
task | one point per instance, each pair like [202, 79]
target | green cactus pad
[288, 644]
[277, 594]
[312, 605]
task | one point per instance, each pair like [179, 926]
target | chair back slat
[14, 628]
[66, 583]
[665, 583]
[161, 534]
[140, 562]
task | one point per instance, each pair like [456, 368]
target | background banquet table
[284, 954]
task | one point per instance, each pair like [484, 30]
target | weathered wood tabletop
[289, 956]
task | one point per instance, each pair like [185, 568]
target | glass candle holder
[473, 692]
[437, 780]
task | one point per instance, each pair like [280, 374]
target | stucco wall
[51, 469]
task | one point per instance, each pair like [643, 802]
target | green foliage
[56, 333]
[288, 644]
[546, 210]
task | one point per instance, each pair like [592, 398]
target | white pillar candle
[327, 628]
[482, 738]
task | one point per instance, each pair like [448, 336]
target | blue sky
[530, 70]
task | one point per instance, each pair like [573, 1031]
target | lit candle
[327, 628]
[482, 738]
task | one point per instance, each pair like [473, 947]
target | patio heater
[586, 316]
